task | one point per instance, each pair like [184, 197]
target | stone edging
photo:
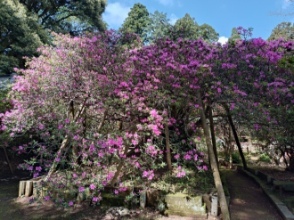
[281, 207]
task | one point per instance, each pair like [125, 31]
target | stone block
[184, 205]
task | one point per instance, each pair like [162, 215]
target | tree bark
[211, 123]
[55, 162]
[119, 167]
[236, 136]
[7, 160]
[167, 146]
[64, 143]
[213, 164]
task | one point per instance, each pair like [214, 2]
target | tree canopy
[188, 28]
[137, 21]
[284, 30]
[159, 26]
[64, 16]
[26, 24]
[20, 35]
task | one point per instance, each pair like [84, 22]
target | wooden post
[29, 188]
[22, 188]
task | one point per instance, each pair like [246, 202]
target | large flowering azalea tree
[101, 110]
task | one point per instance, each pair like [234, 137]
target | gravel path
[248, 202]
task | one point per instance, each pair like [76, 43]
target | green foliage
[235, 158]
[194, 183]
[137, 21]
[234, 35]
[159, 26]
[207, 33]
[25, 25]
[72, 17]
[20, 35]
[283, 30]
[188, 28]
[4, 101]
[264, 158]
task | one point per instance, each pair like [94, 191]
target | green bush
[235, 158]
[264, 158]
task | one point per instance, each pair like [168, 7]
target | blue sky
[222, 15]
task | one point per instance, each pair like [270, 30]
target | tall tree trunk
[167, 147]
[235, 136]
[211, 123]
[213, 164]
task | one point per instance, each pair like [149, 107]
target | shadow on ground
[248, 202]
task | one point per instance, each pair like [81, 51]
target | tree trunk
[66, 139]
[211, 123]
[55, 162]
[291, 163]
[213, 164]
[167, 145]
[7, 159]
[231, 149]
[119, 168]
[236, 136]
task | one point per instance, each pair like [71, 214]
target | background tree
[234, 35]
[65, 16]
[207, 33]
[159, 26]
[20, 35]
[188, 28]
[185, 27]
[25, 25]
[137, 21]
[284, 30]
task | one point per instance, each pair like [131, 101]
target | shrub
[264, 158]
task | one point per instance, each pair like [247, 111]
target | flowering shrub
[108, 114]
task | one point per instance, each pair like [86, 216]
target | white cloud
[166, 2]
[115, 14]
[223, 40]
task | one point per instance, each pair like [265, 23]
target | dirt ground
[248, 202]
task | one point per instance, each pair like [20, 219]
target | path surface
[248, 202]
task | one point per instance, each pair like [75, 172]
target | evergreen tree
[188, 28]
[137, 21]
[185, 27]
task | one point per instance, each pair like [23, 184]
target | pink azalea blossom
[81, 189]
[92, 186]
